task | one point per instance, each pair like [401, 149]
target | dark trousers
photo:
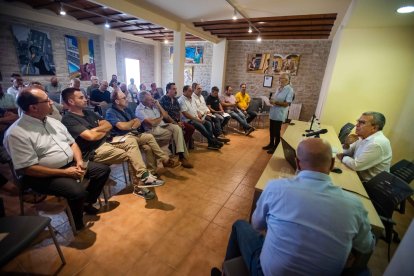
[223, 120]
[188, 132]
[246, 242]
[215, 124]
[274, 130]
[206, 129]
[69, 188]
[251, 116]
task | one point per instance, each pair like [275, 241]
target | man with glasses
[124, 122]
[371, 153]
[49, 159]
[91, 134]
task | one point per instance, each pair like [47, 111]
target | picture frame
[267, 81]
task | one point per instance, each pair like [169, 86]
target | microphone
[270, 96]
[316, 133]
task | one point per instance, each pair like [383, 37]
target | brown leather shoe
[186, 164]
[171, 163]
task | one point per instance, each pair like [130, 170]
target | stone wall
[9, 62]
[201, 72]
[143, 52]
[307, 83]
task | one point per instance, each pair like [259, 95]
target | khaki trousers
[117, 153]
[165, 133]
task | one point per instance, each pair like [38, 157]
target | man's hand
[103, 104]
[75, 172]
[340, 156]
[181, 124]
[349, 140]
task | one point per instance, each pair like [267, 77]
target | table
[278, 167]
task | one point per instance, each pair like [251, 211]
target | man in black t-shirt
[213, 103]
[90, 132]
[101, 98]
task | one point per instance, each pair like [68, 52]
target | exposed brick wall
[201, 72]
[307, 83]
[143, 52]
[9, 63]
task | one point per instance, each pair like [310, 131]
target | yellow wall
[374, 71]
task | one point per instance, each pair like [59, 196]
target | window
[132, 70]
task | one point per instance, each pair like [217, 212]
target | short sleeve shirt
[144, 112]
[98, 96]
[279, 113]
[77, 124]
[242, 101]
[114, 116]
[214, 102]
[30, 141]
[171, 106]
[229, 99]
[188, 105]
[8, 101]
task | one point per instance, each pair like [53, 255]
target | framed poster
[267, 81]
[188, 75]
[258, 63]
[80, 57]
[285, 64]
[193, 54]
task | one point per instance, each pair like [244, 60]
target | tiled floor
[183, 232]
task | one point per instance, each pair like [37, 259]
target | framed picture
[258, 63]
[285, 64]
[188, 75]
[267, 82]
[80, 56]
[193, 54]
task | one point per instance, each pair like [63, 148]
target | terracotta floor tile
[216, 195]
[204, 209]
[226, 217]
[215, 238]
[239, 204]
[150, 265]
[190, 227]
[245, 191]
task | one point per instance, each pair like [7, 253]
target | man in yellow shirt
[243, 101]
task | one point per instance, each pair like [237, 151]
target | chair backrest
[404, 169]
[345, 131]
[386, 192]
[255, 104]
[205, 94]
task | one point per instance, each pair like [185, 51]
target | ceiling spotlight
[406, 9]
[165, 41]
[62, 11]
[235, 15]
[259, 39]
[250, 29]
[107, 25]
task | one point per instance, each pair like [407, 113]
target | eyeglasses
[361, 122]
[45, 101]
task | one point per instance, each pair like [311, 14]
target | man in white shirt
[371, 153]
[17, 81]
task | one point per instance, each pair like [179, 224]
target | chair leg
[105, 195]
[70, 218]
[125, 176]
[56, 243]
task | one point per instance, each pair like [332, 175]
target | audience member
[243, 102]
[170, 104]
[192, 116]
[114, 80]
[228, 101]
[213, 104]
[48, 158]
[132, 94]
[7, 101]
[280, 102]
[76, 83]
[124, 122]
[91, 131]
[17, 83]
[298, 214]
[53, 89]
[101, 97]
[155, 92]
[94, 85]
[372, 153]
[151, 114]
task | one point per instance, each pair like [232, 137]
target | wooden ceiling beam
[279, 29]
[274, 34]
[280, 37]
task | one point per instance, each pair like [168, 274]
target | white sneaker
[150, 181]
[143, 192]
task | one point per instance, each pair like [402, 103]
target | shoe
[79, 225]
[250, 130]
[90, 210]
[223, 140]
[150, 181]
[268, 147]
[271, 151]
[171, 163]
[215, 272]
[213, 147]
[186, 164]
[143, 192]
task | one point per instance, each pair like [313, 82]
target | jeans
[70, 189]
[206, 129]
[239, 117]
[251, 116]
[274, 130]
[246, 242]
[216, 125]
[223, 120]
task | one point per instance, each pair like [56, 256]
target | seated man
[207, 114]
[371, 154]
[90, 132]
[228, 101]
[170, 104]
[192, 116]
[156, 93]
[48, 158]
[124, 121]
[101, 97]
[17, 83]
[243, 102]
[311, 225]
[53, 89]
[213, 104]
[151, 114]
[94, 85]
[7, 101]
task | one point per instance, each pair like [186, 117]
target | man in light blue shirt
[311, 225]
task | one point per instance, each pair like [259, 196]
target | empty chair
[205, 94]
[404, 169]
[345, 131]
[21, 232]
[387, 191]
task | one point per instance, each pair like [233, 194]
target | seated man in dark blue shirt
[123, 121]
[101, 97]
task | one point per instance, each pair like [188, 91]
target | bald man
[311, 224]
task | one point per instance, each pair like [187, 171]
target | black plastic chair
[21, 232]
[205, 94]
[387, 191]
[404, 169]
[345, 131]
